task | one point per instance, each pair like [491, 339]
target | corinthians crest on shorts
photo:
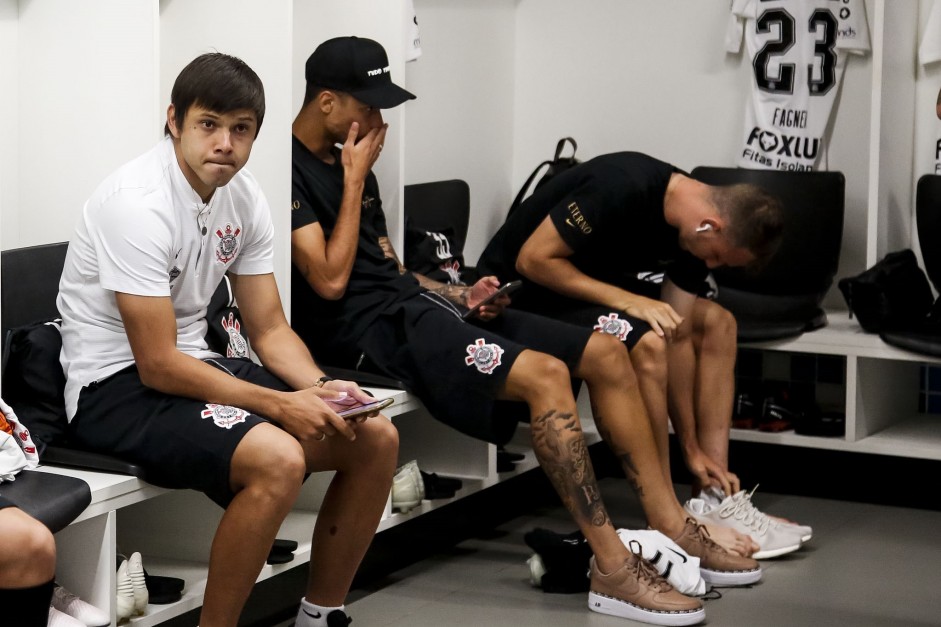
[612, 325]
[228, 245]
[485, 356]
[224, 416]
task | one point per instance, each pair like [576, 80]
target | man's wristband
[322, 380]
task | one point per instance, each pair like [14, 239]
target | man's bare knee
[606, 360]
[377, 441]
[718, 325]
[270, 458]
[649, 357]
[537, 377]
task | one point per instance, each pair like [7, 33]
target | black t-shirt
[375, 282]
[609, 210]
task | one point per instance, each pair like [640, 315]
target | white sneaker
[124, 601]
[412, 468]
[536, 569]
[738, 513]
[60, 619]
[86, 613]
[673, 563]
[135, 569]
[405, 494]
[715, 496]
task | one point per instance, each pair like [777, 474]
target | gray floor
[867, 565]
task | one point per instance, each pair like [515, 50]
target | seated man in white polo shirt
[152, 244]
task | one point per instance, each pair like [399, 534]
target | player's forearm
[343, 243]
[283, 354]
[561, 276]
[457, 294]
[183, 375]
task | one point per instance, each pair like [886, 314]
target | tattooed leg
[564, 458]
[543, 382]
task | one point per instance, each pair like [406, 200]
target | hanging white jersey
[930, 49]
[930, 52]
[798, 50]
[412, 38]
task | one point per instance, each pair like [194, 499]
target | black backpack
[557, 165]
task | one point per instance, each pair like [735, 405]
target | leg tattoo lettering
[568, 465]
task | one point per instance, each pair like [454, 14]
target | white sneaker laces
[644, 570]
[742, 509]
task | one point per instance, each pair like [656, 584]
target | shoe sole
[623, 609]
[404, 506]
[730, 578]
[768, 554]
[124, 608]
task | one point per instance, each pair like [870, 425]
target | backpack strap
[561, 146]
[525, 188]
[532, 177]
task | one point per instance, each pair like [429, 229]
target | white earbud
[704, 227]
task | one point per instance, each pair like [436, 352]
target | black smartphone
[368, 408]
[506, 288]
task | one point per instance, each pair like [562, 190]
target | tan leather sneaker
[718, 566]
[638, 592]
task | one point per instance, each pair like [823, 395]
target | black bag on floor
[557, 165]
[892, 295]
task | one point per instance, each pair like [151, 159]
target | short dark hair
[218, 82]
[311, 93]
[754, 219]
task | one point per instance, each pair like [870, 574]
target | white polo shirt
[141, 233]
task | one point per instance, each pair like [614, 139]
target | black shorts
[627, 328]
[457, 367]
[4, 503]
[181, 442]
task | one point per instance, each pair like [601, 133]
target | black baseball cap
[358, 67]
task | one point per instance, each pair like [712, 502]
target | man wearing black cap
[353, 300]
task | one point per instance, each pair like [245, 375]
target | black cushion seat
[925, 339]
[783, 299]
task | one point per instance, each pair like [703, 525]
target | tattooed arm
[464, 295]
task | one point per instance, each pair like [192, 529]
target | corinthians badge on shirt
[228, 245]
[485, 356]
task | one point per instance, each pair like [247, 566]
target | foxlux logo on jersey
[485, 356]
[780, 151]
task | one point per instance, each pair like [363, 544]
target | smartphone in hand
[506, 288]
[358, 410]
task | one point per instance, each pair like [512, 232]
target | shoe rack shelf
[881, 396]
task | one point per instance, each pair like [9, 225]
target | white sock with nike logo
[311, 615]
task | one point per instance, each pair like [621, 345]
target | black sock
[26, 607]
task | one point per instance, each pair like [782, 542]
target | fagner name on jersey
[789, 118]
[937, 150]
[783, 145]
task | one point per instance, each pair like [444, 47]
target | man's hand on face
[360, 153]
